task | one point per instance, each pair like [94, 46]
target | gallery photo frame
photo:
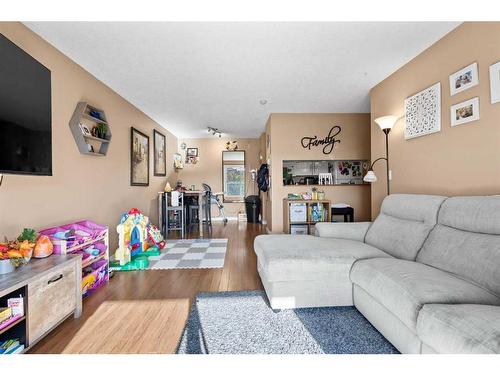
[464, 79]
[464, 112]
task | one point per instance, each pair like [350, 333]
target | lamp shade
[370, 177]
[386, 122]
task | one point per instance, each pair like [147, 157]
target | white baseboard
[229, 218]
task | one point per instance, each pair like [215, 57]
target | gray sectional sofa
[425, 273]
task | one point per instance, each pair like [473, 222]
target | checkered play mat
[198, 253]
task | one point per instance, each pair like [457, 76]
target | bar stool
[191, 209]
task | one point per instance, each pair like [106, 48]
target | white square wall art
[463, 79]
[495, 83]
[423, 112]
[464, 112]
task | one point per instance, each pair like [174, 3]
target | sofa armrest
[348, 231]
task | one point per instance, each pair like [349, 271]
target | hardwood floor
[145, 311]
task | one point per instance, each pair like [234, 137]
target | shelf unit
[93, 277]
[304, 211]
[13, 324]
[95, 268]
[82, 115]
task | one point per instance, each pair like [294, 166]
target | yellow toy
[132, 236]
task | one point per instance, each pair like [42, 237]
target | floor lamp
[386, 123]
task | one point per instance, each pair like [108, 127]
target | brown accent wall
[209, 167]
[463, 160]
[82, 186]
[286, 132]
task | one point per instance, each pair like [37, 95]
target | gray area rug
[193, 253]
[244, 323]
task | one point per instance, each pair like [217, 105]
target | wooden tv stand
[51, 288]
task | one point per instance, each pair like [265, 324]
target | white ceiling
[188, 76]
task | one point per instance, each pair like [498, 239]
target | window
[233, 175]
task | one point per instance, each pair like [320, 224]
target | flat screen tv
[25, 113]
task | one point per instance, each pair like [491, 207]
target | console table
[347, 212]
[51, 288]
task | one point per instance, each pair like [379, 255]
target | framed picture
[465, 112]
[423, 112]
[192, 152]
[495, 83]
[463, 79]
[177, 161]
[139, 158]
[160, 160]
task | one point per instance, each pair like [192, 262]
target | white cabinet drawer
[50, 298]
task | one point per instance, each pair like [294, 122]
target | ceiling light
[263, 101]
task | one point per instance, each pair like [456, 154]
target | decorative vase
[6, 266]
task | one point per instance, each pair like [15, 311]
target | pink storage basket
[98, 276]
[96, 229]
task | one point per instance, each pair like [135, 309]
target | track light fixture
[214, 131]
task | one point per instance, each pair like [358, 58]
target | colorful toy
[137, 238]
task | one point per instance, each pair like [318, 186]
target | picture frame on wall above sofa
[495, 83]
[423, 112]
[464, 79]
[160, 150]
[465, 112]
[139, 158]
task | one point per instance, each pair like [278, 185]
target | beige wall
[209, 167]
[456, 161]
[82, 186]
[287, 130]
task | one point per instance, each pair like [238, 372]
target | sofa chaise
[425, 273]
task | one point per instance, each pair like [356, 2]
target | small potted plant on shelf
[99, 131]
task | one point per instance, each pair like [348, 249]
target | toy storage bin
[82, 234]
[88, 258]
[96, 229]
[94, 276]
[60, 245]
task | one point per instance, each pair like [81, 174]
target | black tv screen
[25, 113]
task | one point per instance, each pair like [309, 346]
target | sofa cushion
[404, 223]
[403, 287]
[286, 257]
[460, 329]
[466, 240]
[479, 214]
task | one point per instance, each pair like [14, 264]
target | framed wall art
[423, 112]
[463, 79]
[495, 83]
[139, 158]
[192, 151]
[159, 161]
[464, 112]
